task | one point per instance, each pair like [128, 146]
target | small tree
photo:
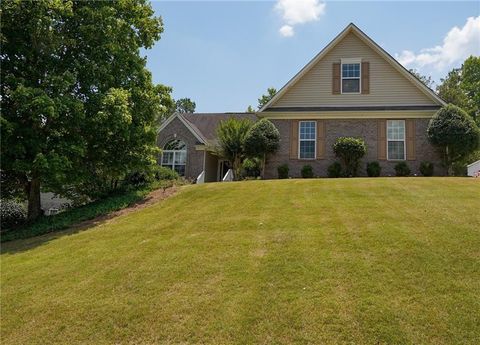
[350, 151]
[455, 132]
[231, 136]
[263, 138]
[185, 105]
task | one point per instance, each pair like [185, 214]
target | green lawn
[324, 261]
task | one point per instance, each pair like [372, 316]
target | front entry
[223, 167]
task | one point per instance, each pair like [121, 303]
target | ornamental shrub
[283, 171]
[426, 168]
[252, 167]
[262, 139]
[334, 170]
[164, 173]
[373, 169]
[307, 171]
[402, 169]
[12, 214]
[350, 151]
[455, 132]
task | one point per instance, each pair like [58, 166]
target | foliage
[307, 171]
[262, 139]
[165, 174]
[231, 135]
[461, 86]
[252, 167]
[12, 214]
[283, 171]
[459, 167]
[454, 132]
[470, 85]
[373, 169]
[427, 80]
[185, 105]
[148, 176]
[350, 151]
[426, 168]
[271, 91]
[116, 201]
[334, 170]
[402, 169]
[250, 109]
[76, 90]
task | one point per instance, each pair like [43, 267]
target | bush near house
[307, 171]
[350, 151]
[402, 169]
[12, 214]
[283, 171]
[334, 170]
[252, 167]
[373, 169]
[426, 168]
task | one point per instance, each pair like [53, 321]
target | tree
[79, 108]
[455, 132]
[449, 89]
[185, 105]
[427, 80]
[231, 134]
[350, 151]
[470, 85]
[250, 109]
[271, 91]
[262, 139]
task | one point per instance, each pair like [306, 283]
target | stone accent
[177, 130]
[366, 129]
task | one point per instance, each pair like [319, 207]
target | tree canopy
[79, 109]
[185, 105]
[453, 130]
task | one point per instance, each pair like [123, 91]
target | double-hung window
[350, 76]
[396, 139]
[174, 156]
[307, 139]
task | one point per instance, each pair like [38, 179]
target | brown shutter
[294, 139]
[382, 139]
[320, 139]
[336, 79]
[410, 136]
[365, 77]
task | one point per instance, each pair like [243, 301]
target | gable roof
[204, 125]
[367, 40]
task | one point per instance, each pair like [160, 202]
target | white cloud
[458, 44]
[287, 31]
[298, 12]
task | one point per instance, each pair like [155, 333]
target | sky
[225, 54]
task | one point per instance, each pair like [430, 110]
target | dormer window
[351, 75]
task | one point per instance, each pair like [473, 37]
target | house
[351, 88]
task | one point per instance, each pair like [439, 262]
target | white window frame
[348, 62]
[397, 140]
[300, 140]
[175, 152]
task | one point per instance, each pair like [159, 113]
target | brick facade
[366, 129]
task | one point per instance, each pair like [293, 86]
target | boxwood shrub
[307, 171]
[402, 169]
[373, 169]
[283, 171]
[426, 168]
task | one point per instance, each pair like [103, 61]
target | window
[396, 139]
[307, 139]
[174, 156]
[351, 77]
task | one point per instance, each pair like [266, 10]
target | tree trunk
[33, 195]
[263, 165]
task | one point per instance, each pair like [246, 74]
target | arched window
[174, 156]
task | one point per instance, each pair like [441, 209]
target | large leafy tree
[185, 105]
[79, 108]
[262, 139]
[455, 132]
[264, 99]
[231, 135]
[470, 85]
[427, 80]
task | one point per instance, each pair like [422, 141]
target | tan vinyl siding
[387, 86]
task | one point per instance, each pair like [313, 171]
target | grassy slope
[295, 261]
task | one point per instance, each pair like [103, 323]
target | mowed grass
[323, 261]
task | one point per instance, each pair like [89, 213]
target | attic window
[351, 75]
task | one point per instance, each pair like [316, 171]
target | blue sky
[225, 54]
